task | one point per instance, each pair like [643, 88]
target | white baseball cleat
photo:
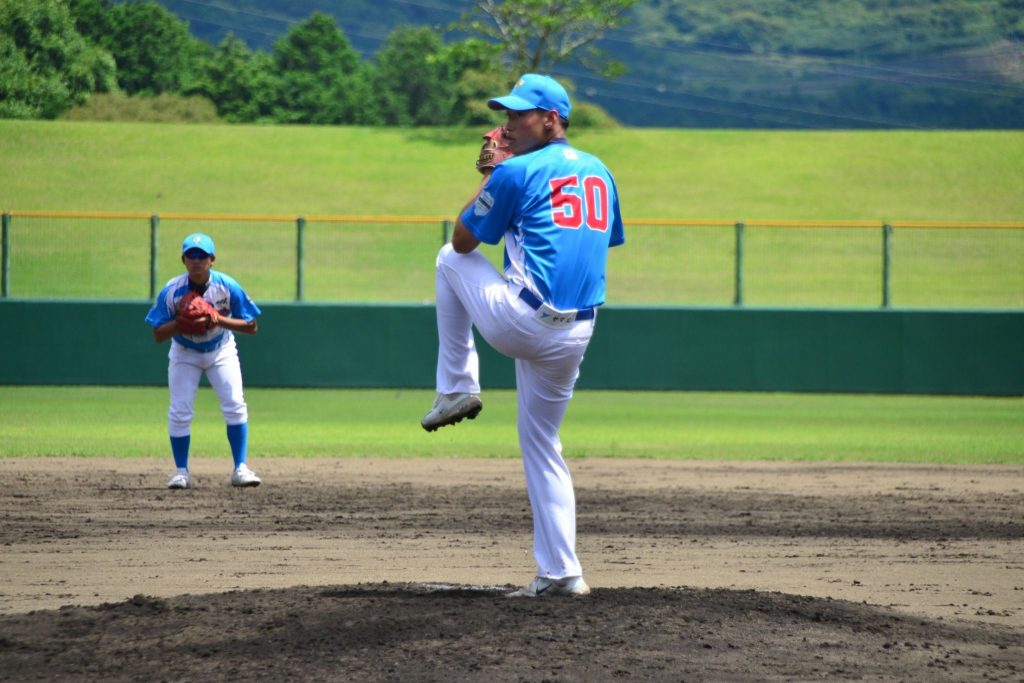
[540, 587]
[451, 408]
[243, 476]
[180, 480]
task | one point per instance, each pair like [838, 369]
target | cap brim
[511, 102]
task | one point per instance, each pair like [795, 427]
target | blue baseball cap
[198, 240]
[533, 91]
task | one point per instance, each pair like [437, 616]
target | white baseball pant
[470, 292]
[184, 371]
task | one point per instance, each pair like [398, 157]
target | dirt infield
[361, 569]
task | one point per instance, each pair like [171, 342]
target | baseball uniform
[557, 210]
[212, 352]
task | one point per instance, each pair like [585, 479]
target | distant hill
[366, 23]
[741, 63]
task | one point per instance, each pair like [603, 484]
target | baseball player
[199, 311]
[557, 209]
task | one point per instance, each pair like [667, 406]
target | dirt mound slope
[396, 570]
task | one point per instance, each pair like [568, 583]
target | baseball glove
[496, 149]
[196, 315]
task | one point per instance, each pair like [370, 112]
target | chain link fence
[390, 259]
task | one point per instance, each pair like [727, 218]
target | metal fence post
[5, 268]
[300, 229]
[446, 231]
[886, 264]
[738, 277]
[154, 232]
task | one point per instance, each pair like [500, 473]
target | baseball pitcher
[557, 209]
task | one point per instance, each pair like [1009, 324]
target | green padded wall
[707, 349]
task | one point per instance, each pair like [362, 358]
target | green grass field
[891, 175]
[128, 422]
[662, 174]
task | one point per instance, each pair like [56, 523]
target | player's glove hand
[496, 149]
[196, 315]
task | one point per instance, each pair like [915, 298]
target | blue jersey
[558, 211]
[226, 295]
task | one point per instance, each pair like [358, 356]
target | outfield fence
[334, 258]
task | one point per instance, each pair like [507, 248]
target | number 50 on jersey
[575, 203]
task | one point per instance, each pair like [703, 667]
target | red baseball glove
[496, 149]
[196, 315]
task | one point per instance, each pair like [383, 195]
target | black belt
[533, 302]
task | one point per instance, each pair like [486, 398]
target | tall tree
[415, 84]
[321, 77]
[479, 74]
[1011, 19]
[239, 82]
[45, 64]
[537, 34]
[154, 51]
[92, 18]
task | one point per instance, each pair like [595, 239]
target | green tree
[92, 18]
[414, 82]
[45, 64]
[154, 51]
[321, 77]
[240, 83]
[744, 30]
[537, 34]
[479, 75]
[1011, 19]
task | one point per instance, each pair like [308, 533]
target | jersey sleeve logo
[483, 203]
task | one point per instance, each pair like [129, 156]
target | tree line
[55, 54]
[699, 63]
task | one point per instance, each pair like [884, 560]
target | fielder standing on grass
[199, 311]
[557, 209]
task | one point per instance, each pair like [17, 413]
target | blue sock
[179, 446]
[238, 437]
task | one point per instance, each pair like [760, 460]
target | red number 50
[567, 206]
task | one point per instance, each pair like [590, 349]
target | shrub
[168, 108]
[589, 115]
